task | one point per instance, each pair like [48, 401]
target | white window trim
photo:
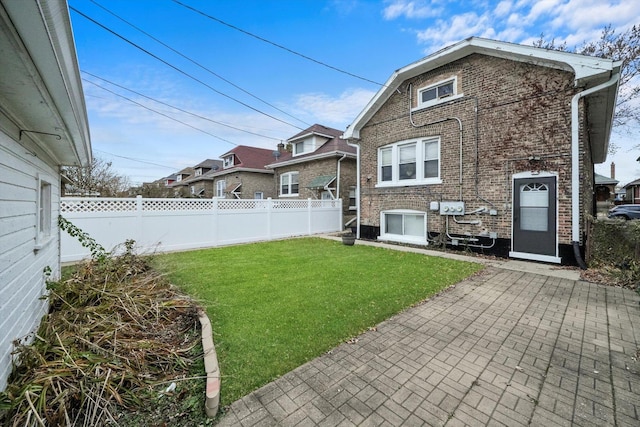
[289, 193]
[44, 230]
[399, 237]
[258, 193]
[395, 164]
[228, 161]
[420, 105]
[220, 191]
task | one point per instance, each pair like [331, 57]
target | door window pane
[534, 207]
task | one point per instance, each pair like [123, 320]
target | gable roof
[316, 129]
[208, 164]
[588, 71]
[249, 159]
[334, 146]
[40, 86]
[632, 183]
[604, 180]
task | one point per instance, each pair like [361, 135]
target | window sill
[402, 239]
[407, 183]
[43, 243]
[288, 195]
[437, 102]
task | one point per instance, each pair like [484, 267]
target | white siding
[22, 281]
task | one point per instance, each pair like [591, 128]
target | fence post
[340, 218]
[139, 221]
[269, 213]
[309, 216]
[214, 220]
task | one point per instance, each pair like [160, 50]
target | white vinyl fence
[162, 225]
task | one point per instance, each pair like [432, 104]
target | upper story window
[414, 162]
[198, 172]
[179, 178]
[228, 161]
[289, 184]
[437, 93]
[303, 147]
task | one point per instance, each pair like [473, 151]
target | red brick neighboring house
[244, 175]
[318, 165]
[486, 145]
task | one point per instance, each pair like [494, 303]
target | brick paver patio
[501, 348]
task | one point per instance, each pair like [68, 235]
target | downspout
[357, 147]
[575, 166]
[338, 177]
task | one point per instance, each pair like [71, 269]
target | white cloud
[460, 27]
[409, 9]
[502, 9]
[336, 112]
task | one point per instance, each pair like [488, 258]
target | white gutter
[575, 155]
[357, 147]
[338, 177]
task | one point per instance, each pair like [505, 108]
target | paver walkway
[501, 348]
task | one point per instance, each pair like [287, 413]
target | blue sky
[234, 80]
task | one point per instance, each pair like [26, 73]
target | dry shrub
[115, 329]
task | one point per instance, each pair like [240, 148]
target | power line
[158, 112]
[198, 64]
[137, 160]
[179, 70]
[213, 18]
[180, 109]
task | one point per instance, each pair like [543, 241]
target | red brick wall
[523, 110]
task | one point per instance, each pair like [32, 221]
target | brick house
[200, 184]
[486, 145]
[244, 175]
[318, 165]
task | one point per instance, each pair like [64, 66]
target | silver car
[625, 212]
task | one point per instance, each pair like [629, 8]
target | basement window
[404, 226]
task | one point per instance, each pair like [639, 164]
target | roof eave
[59, 105]
[585, 69]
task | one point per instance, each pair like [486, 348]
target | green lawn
[276, 305]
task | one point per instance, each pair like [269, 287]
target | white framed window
[44, 207]
[438, 92]
[258, 195]
[405, 226]
[198, 172]
[221, 186]
[303, 147]
[227, 162]
[193, 190]
[179, 178]
[289, 184]
[398, 163]
[352, 198]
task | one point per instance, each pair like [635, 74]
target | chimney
[613, 170]
[281, 148]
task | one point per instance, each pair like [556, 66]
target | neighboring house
[201, 183]
[486, 145]
[605, 192]
[179, 190]
[243, 174]
[632, 192]
[319, 165]
[43, 126]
